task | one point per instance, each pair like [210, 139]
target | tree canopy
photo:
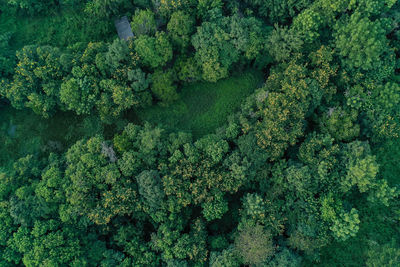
[223, 133]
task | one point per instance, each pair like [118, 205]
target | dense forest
[225, 133]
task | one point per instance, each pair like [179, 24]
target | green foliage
[339, 123]
[143, 22]
[70, 95]
[346, 225]
[103, 8]
[381, 192]
[155, 51]
[386, 255]
[106, 79]
[34, 7]
[283, 43]
[384, 111]
[361, 166]
[188, 70]
[7, 60]
[254, 245]
[203, 106]
[117, 54]
[307, 24]
[163, 86]
[278, 10]
[224, 42]
[208, 8]
[227, 258]
[92, 172]
[387, 158]
[302, 171]
[215, 209]
[285, 258]
[165, 8]
[277, 111]
[360, 41]
[172, 244]
[180, 27]
[37, 79]
[150, 188]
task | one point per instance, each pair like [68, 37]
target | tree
[103, 8]
[149, 183]
[285, 258]
[381, 192]
[130, 239]
[37, 79]
[383, 255]
[215, 209]
[308, 24]
[283, 43]
[340, 123]
[94, 186]
[49, 244]
[143, 23]
[276, 113]
[361, 167]
[258, 211]
[223, 42]
[227, 258]
[188, 70]
[254, 245]
[49, 189]
[322, 155]
[278, 10]
[163, 86]
[80, 91]
[209, 8]
[165, 8]
[114, 99]
[175, 245]
[180, 28]
[140, 80]
[75, 94]
[117, 54]
[307, 234]
[155, 51]
[361, 42]
[34, 7]
[105, 78]
[346, 225]
[384, 110]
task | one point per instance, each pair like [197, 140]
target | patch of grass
[59, 28]
[204, 106]
[388, 157]
[22, 132]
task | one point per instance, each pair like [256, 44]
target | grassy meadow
[204, 106]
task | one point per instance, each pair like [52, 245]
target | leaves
[360, 41]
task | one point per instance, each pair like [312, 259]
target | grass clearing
[22, 132]
[204, 106]
[60, 28]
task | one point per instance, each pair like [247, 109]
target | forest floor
[204, 106]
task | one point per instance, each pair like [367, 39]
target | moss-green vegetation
[58, 132]
[237, 167]
[388, 156]
[59, 28]
[204, 106]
